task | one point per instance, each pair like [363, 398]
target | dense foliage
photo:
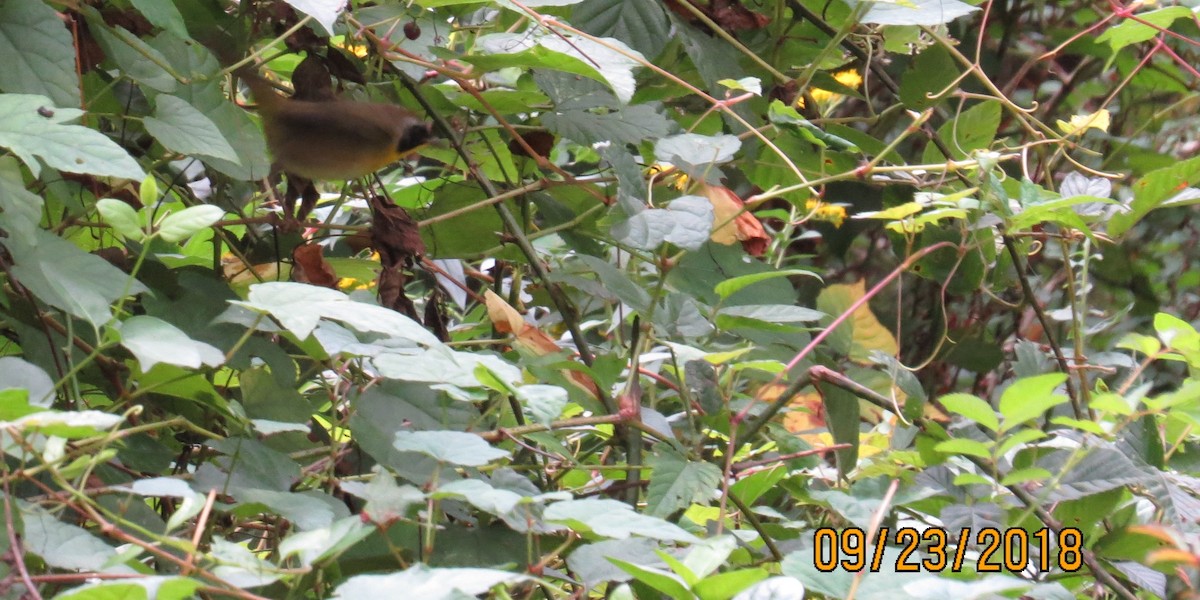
[772, 299]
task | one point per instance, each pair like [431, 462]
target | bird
[333, 138]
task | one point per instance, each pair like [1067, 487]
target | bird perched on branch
[334, 138]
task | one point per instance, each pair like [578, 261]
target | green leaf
[783, 114]
[973, 129]
[320, 544]
[62, 275]
[162, 13]
[930, 73]
[733, 285]
[686, 222]
[39, 54]
[774, 313]
[134, 56]
[1147, 26]
[707, 557]
[1030, 398]
[153, 341]
[590, 562]
[121, 216]
[178, 126]
[695, 150]
[623, 124]
[1019, 438]
[16, 373]
[662, 581]
[239, 566]
[724, 586]
[774, 588]
[544, 403]
[62, 545]
[1023, 476]
[973, 408]
[454, 447]
[386, 501]
[613, 519]
[915, 12]
[441, 583]
[32, 127]
[677, 482]
[181, 225]
[1152, 190]
[299, 307]
[1148, 345]
[560, 52]
[617, 283]
[965, 446]
[163, 587]
[640, 23]
[324, 12]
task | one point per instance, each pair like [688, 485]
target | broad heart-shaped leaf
[239, 566]
[20, 209]
[153, 340]
[677, 482]
[318, 544]
[686, 222]
[625, 125]
[974, 129]
[775, 588]
[162, 13]
[130, 53]
[443, 365]
[860, 334]
[868, 584]
[31, 127]
[774, 313]
[16, 373]
[158, 587]
[178, 126]
[425, 583]
[1148, 25]
[591, 562]
[664, 582]
[64, 276]
[39, 54]
[1152, 190]
[642, 24]
[1029, 398]
[324, 12]
[181, 225]
[299, 307]
[570, 54]
[697, 150]
[914, 12]
[931, 71]
[62, 545]
[454, 447]
[543, 402]
[613, 519]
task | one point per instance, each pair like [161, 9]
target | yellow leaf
[1081, 123]
[862, 333]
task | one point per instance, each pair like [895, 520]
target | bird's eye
[414, 135]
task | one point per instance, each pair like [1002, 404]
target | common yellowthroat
[332, 139]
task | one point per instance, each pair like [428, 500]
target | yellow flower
[827, 99]
[824, 211]
[678, 179]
